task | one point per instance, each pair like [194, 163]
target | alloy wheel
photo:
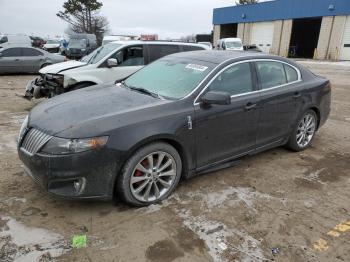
[153, 176]
[306, 130]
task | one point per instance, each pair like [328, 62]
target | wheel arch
[318, 114]
[179, 147]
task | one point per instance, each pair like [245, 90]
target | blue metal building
[314, 28]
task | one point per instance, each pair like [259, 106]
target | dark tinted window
[30, 52]
[130, 56]
[186, 48]
[11, 52]
[234, 80]
[3, 39]
[271, 74]
[291, 73]
[158, 51]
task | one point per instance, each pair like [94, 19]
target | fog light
[77, 185]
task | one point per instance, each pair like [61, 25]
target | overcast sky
[163, 17]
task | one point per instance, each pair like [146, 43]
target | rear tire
[150, 175]
[304, 132]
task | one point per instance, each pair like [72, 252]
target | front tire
[150, 175]
[304, 132]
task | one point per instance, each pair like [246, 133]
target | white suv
[109, 63]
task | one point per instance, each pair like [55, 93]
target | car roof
[231, 39]
[134, 42]
[219, 56]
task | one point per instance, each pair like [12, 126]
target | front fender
[80, 78]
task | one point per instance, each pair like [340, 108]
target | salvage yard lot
[297, 202]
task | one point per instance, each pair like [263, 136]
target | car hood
[57, 68]
[92, 111]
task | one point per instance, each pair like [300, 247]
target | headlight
[83, 50]
[59, 79]
[62, 146]
[23, 129]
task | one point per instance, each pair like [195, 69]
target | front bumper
[87, 175]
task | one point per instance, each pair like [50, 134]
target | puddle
[218, 237]
[21, 243]
[231, 196]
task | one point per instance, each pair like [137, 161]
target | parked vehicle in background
[81, 45]
[109, 63]
[52, 45]
[37, 41]
[251, 48]
[233, 44]
[152, 37]
[184, 114]
[19, 59]
[18, 40]
[112, 38]
[206, 43]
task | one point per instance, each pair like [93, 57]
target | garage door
[345, 50]
[262, 35]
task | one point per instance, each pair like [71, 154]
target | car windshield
[100, 53]
[233, 44]
[172, 78]
[77, 43]
[52, 42]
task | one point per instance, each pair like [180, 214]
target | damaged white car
[109, 63]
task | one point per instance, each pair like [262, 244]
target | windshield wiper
[142, 90]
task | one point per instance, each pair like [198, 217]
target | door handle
[16, 59]
[297, 95]
[250, 106]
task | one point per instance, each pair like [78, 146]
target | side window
[234, 80]
[158, 51]
[3, 39]
[291, 73]
[130, 56]
[271, 74]
[30, 52]
[186, 48]
[11, 52]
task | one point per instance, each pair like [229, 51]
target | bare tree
[83, 17]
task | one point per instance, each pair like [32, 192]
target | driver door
[225, 131]
[130, 59]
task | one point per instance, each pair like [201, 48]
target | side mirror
[216, 98]
[112, 62]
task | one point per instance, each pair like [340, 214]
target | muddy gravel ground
[296, 204]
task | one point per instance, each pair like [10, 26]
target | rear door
[154, 52]
[280, 100]
[225, 131]
[32, 59]
[10, 60]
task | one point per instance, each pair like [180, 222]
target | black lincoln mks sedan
[182, 115]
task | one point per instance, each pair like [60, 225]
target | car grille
[34, 140]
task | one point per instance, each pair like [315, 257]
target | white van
[18, 40]
[230, 44]
[111, 62]
[112, 38]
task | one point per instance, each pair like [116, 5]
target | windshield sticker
[197, 67]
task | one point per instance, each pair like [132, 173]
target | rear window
[30, 52]
[158, 51]
[186, 48]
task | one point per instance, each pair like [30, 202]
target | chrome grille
[34, 140]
